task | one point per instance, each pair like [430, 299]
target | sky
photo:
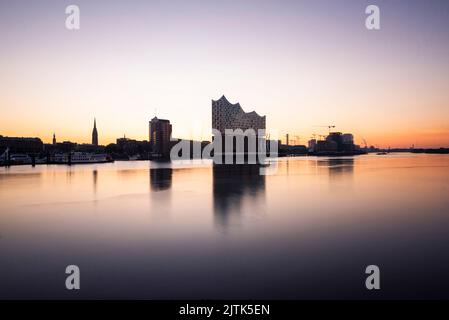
[303, 64]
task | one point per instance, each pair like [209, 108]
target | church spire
[95, 134]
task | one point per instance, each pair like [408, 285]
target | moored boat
[81, 157]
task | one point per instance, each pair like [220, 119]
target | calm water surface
[189, 230]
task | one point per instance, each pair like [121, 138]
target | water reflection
[161, 179]
[232, 186]
[337, 167]
[193, 231]
[95, 179]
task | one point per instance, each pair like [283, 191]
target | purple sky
[300, 63]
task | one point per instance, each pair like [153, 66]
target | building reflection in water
[161, 178]
[95, 179]
[339, 169]
[69, 174]
[232, 185]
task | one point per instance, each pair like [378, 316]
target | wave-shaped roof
[224, 99]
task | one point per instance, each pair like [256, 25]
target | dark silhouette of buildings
[54, 139]
[95, 134]
[65, 146]
[21, 145]
[342, 142]
[160, 134]
[336, 143]
[126, 149]
[291, 150]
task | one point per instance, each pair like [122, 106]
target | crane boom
[328, 126]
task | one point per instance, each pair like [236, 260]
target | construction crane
[293, 142]
[364, 142]
[297, 140]
[329, 127]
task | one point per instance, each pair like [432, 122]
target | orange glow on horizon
[405, 138]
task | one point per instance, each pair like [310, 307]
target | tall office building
[160, 135]
[95, 134]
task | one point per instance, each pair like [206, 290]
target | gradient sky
[300, 63]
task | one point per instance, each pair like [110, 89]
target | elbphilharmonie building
[226, 115]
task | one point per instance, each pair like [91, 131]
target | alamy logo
[373, 280]
[72, 21]
[372, 22]
[232, 147]
[72, 282]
